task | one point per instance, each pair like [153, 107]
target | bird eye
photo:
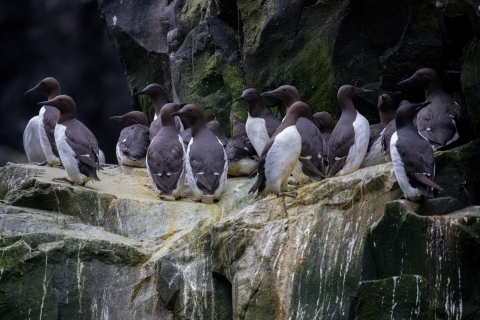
[61, 99]
[284, 89]
[42, 82]
[251, 92]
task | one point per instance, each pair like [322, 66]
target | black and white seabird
[281, 153]
[241, 155]
[327, 124]
[310, 166]
[440, 121]
[349, 140]
[206, 161]
[156, 92]
[77, 146]
[213, 126]
[388, 133]
[133, 141]
[412, 155]
[166, 156]
[40, 131]
[375, 154]
[261, 123]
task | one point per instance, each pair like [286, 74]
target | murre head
[238, 128]
[406, 113]
[424, 77]
[249, 95]
[325, 121]
[193, 113]
[132, 117]
[65, 104]
[49, 85]
[152, 90]
[348, 92]
[288, 94]
[166, 114]
[298, 110]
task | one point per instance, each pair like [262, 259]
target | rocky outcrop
[207, 52]
[342, 248]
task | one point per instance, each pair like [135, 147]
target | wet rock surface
[342, 248]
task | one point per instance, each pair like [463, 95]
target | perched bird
[261, 123]
[412, 155]
[213, 126]
[77, 146]
[375, 155]
[166, 156]
[133, 141]
[39, 135]
[349, 140]
[156, 92]
[281, 153]
[206, 161]
[241, 155]
[439, 121]
[327, 124]
[310, 166]
[388, 133]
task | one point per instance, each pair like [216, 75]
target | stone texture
[114, 249]
[208, 51]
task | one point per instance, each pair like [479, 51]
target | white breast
[52, 159]
[357, 151]
[375, 155]
[31, 141]
[281, 159]
[409, 191]
[126, 161]
[257, 133]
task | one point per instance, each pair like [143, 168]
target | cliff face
[343, 248]
[207, 52]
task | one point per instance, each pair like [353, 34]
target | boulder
[336, 250]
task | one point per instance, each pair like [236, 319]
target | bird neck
[431, 88]
[289, 101]
[255, 108]
[158, 101]
[387, 116]
[66, 115]
[53, 93]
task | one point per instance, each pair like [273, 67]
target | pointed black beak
[401, 83]
[267, 94]
[116, 118]
[29, 91]
[178, 114]
[367, 91]
[239, 98]
[139, 92]
[423, 105]
[43, 103]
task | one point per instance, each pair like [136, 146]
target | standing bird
[388, 133]
[327, 124]
[206, 160]
[156, 92]
[261, 123]
[412, 155]
[241, 155]
[281, 153]
[77, 146]
[310, 166]
[133, 141]
[375, 154]
[39, 135]
[166, 156]
[349, 140]
[441, 120]
[215, 127]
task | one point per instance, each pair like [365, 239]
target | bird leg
[43, 163]
[63, 179]
[292, 194]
